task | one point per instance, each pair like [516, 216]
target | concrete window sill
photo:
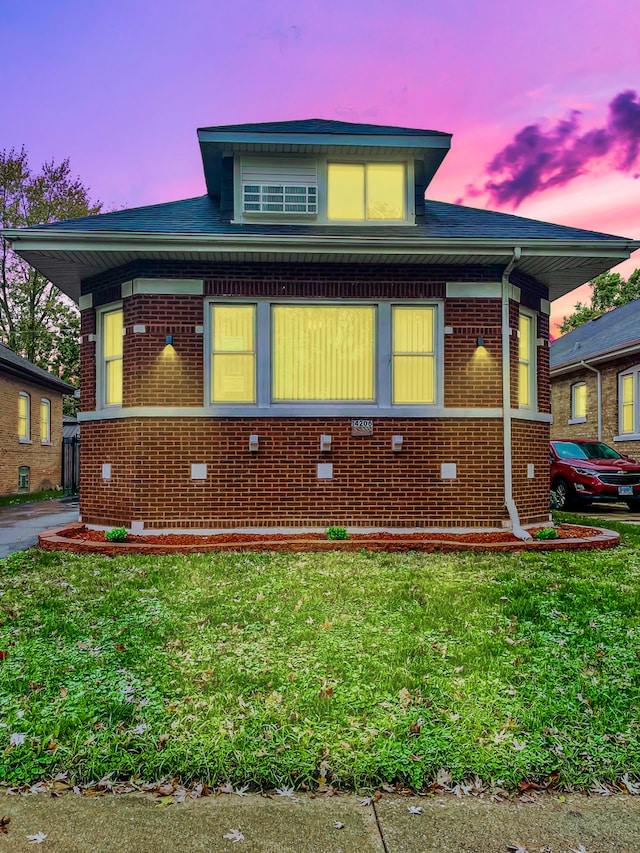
[25, 441]
[632, 436]
[46, 443]
[576, 421]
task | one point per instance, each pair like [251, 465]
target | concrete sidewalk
[139, 824]
[20, 524]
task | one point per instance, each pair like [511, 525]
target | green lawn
[255, 668]
[30, 497]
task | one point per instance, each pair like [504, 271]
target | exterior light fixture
[479, 342]
[169, 340]
[253, 443]
[325, 443]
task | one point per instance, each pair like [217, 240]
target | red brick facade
[43, 460]
[151, 457]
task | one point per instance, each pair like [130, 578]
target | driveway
[20, 525]
[612, 511]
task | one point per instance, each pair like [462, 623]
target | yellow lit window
[233, 359]
[45, 421]
[413, 355]
[112, 325]
[24, 407]
[579, 400]
[628, 404]
[323, 352]
[372, 191]
[525, 360]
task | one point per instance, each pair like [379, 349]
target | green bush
[546, 533]
[337, 533]
[118, 534]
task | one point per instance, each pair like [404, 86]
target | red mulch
[564, 532]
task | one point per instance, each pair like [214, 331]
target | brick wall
[530, 443]
[151, 458]
[561, 403]
[44, 461]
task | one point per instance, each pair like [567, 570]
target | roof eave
[24, 373]
[627, 348]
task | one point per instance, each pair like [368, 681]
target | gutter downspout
[517, 528]
[584, 364]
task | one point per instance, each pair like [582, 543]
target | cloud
[539, 158]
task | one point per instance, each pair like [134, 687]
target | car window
[569, 450]
[595, 450]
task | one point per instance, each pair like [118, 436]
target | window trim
[101, 363]
[320, 218]
[533, 360]
[635, 434]
[45, 403]
[380, 406]
[578, 419]
[25, 439]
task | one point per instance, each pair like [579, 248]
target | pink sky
[120, 88]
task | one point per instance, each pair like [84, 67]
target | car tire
[634, 505]
[564, 494]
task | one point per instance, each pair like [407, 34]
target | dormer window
[366, 191]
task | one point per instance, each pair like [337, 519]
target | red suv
[585, 471]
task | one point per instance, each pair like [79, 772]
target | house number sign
[362, 426]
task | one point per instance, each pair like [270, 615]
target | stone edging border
[62, 539]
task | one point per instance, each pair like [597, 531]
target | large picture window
[323, 352]
[324, 357]
[372, 191]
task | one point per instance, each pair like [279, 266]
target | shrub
[117, 534]
[337, 533]
[546, 533]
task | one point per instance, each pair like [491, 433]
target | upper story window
[45, 421]
[526, 360]
[111, 356]
[366, 191]
[24, 416]
[629, 402]
[579, 402]
[288, 188]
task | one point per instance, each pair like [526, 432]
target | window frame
[634, 372]
[26, 438]
[45, 403]
[532, 405]
[383, 358]
[101, 361]
[320, 218]
[575, 418]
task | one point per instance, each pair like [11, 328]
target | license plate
[625, 490]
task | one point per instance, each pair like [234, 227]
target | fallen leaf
[632, 787]
[4, 823]
[443, 778]
[365, 801]
[414, 809]
[17, 738]
[516, 848]
[3, 654]
[38, 838]
[63, 692]
[405, 697]
[241, 792]
[290, 793]
[518, 746]
[580, 849]
[338, 825]
[234, 835]
[326, 625]
[227, 788]
[162, 741]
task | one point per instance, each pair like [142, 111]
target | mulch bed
[79, 539]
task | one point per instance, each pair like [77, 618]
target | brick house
[313, 343]
[30, 425]
[595, 381]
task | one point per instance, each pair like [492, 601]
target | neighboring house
[30, 425]
[313, 343]
[595, 380]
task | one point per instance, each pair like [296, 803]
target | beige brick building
[30, 425]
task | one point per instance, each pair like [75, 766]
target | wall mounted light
[169, 340]
[479, 342]
[325, 443]
[396, 443]
[253, 443]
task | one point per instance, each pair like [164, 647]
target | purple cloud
[538, 159]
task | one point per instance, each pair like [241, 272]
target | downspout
[517, 528]
[599, 375]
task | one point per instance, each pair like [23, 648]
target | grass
[258, 667]
[30, 497]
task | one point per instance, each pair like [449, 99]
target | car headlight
[586, 472]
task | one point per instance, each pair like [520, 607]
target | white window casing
[629, 405]
[527, 361]
[103, 360]
[578, 403]
[24, 418]
[45, 421]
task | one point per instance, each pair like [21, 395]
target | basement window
[23, 479]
